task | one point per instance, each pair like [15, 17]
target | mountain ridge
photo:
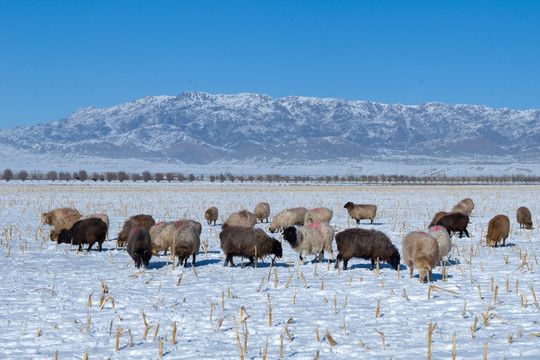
[201, 129]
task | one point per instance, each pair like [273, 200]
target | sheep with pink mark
[443, 239]
[262, 211]
[312, 239]
[321, 214]
[420, 250]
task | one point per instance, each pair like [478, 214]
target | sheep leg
[411, 271]
[99, 246]
[345, 261]
[193, 260]
[467, 233]
[89, 246]
[321, 256]
[372, 263]
[251, 260]
[371, 221]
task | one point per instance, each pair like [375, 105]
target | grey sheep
[248, 242]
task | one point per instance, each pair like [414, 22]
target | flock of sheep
[307, 231]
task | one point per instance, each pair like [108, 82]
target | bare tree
[8, 174]
[23, 175]
[169, 176]
[158, 177]
[83, 175]
[52, 175]
[136, 177]
[122, 176]
[146, 176]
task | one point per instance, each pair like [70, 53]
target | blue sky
[58, 56]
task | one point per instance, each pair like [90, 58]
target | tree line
[146, 176]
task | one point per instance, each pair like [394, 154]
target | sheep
[455, 222]
[262, 211]
[443, 239]
[523, 216]
[248, 242]
[321, 214]
[64, 223]
[300, 215]
[312, 239]
[365, 244]
[163, 233]
[242, 218]
[460, 208]
[192, 223]
[186, 243]
[469, 204]
[51, 217]
[211, 214]
[361, 211]
[498, 229]
[282, 220]
[420, 250]
[88, 231]
[103, 217]
[139, 246]
[143, 220]
[437, 217]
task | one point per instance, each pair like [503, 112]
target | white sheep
[361, 211]
[321, 214]
[443, 239]
[262, 211]
[420, 250]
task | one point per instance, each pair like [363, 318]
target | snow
[46, 288]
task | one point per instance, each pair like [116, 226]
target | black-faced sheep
[282, 220]
[455, 222]
[311, 239]
[64, 223]
[498, 229]
[262, 211]
[146, 221]
[51, 217]
[366, 244]
[139, 246]
[211, 214]
[88, 231]
[420, 250]
[443, 239]
[523, 216]
[186, 243]
[321, 214]
[248, 242]
[242, 218]
[361, 211]
[437, 217]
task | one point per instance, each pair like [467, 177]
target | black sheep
[87, 231]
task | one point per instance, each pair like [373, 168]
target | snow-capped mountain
[200, 128]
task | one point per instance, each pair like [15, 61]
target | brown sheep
[420, 250]
[262, 211]
[139, 246]
[523, 216]
[437, 217]
[322, 214]
[146, 221]
[248, 242]
[103, 217]
[498, 229]
[242, 218]
[88, 231]
[366, 244]
[51, 217]
[300, 215]
[455, 222]
[211, 214]
[64, 223]
[361, 211]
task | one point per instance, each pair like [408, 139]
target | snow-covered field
[58, 301]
